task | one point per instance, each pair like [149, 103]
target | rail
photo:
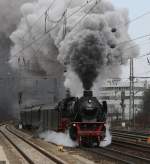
[49, 156]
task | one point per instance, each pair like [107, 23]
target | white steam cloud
[10, 15]
[65, 140]
[58, 138]
[88, 37]
[108, 137]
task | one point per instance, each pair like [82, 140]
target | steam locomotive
[83, 117]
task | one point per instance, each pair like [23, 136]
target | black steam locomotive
[84, 117]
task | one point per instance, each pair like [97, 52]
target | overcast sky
[138, 28]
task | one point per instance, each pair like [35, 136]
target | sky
[138, 28]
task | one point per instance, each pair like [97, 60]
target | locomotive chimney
[87, 93]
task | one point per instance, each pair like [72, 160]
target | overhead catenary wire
[41, 36]
[134, 19]
[137, 38]
[74, 26]
[81, 19]
[50, 6]
[140, 56]
[124, 42]
[34, 23]
[84, 5]
[35, 40]
[138, 17]
[131, 21]
[87, 2]
[85, 15]
[131, 40]
[62, 18]
[64, 13]
[136, 45]
[134, 39]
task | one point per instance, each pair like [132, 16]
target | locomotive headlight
[90, 101]
[74, 124]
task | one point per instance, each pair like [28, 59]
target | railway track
[133, 136]
[119, 156]
[32, 153]
[132, 132]
[142, 151]
[118, 151]
[124, 150]
[99, 157]
[132, 143]
[103, 153]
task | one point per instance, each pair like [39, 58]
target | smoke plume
[9, 19]
[87, 57]
[10, 15]
[87, 38]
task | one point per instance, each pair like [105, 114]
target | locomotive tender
[84, 117]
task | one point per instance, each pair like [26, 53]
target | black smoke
[87, 58]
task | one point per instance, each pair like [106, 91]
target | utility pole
[131, 103]
[46, 16]
[133, 94]
[65, 24]
[123, 104]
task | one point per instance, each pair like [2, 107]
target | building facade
[117, 94]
